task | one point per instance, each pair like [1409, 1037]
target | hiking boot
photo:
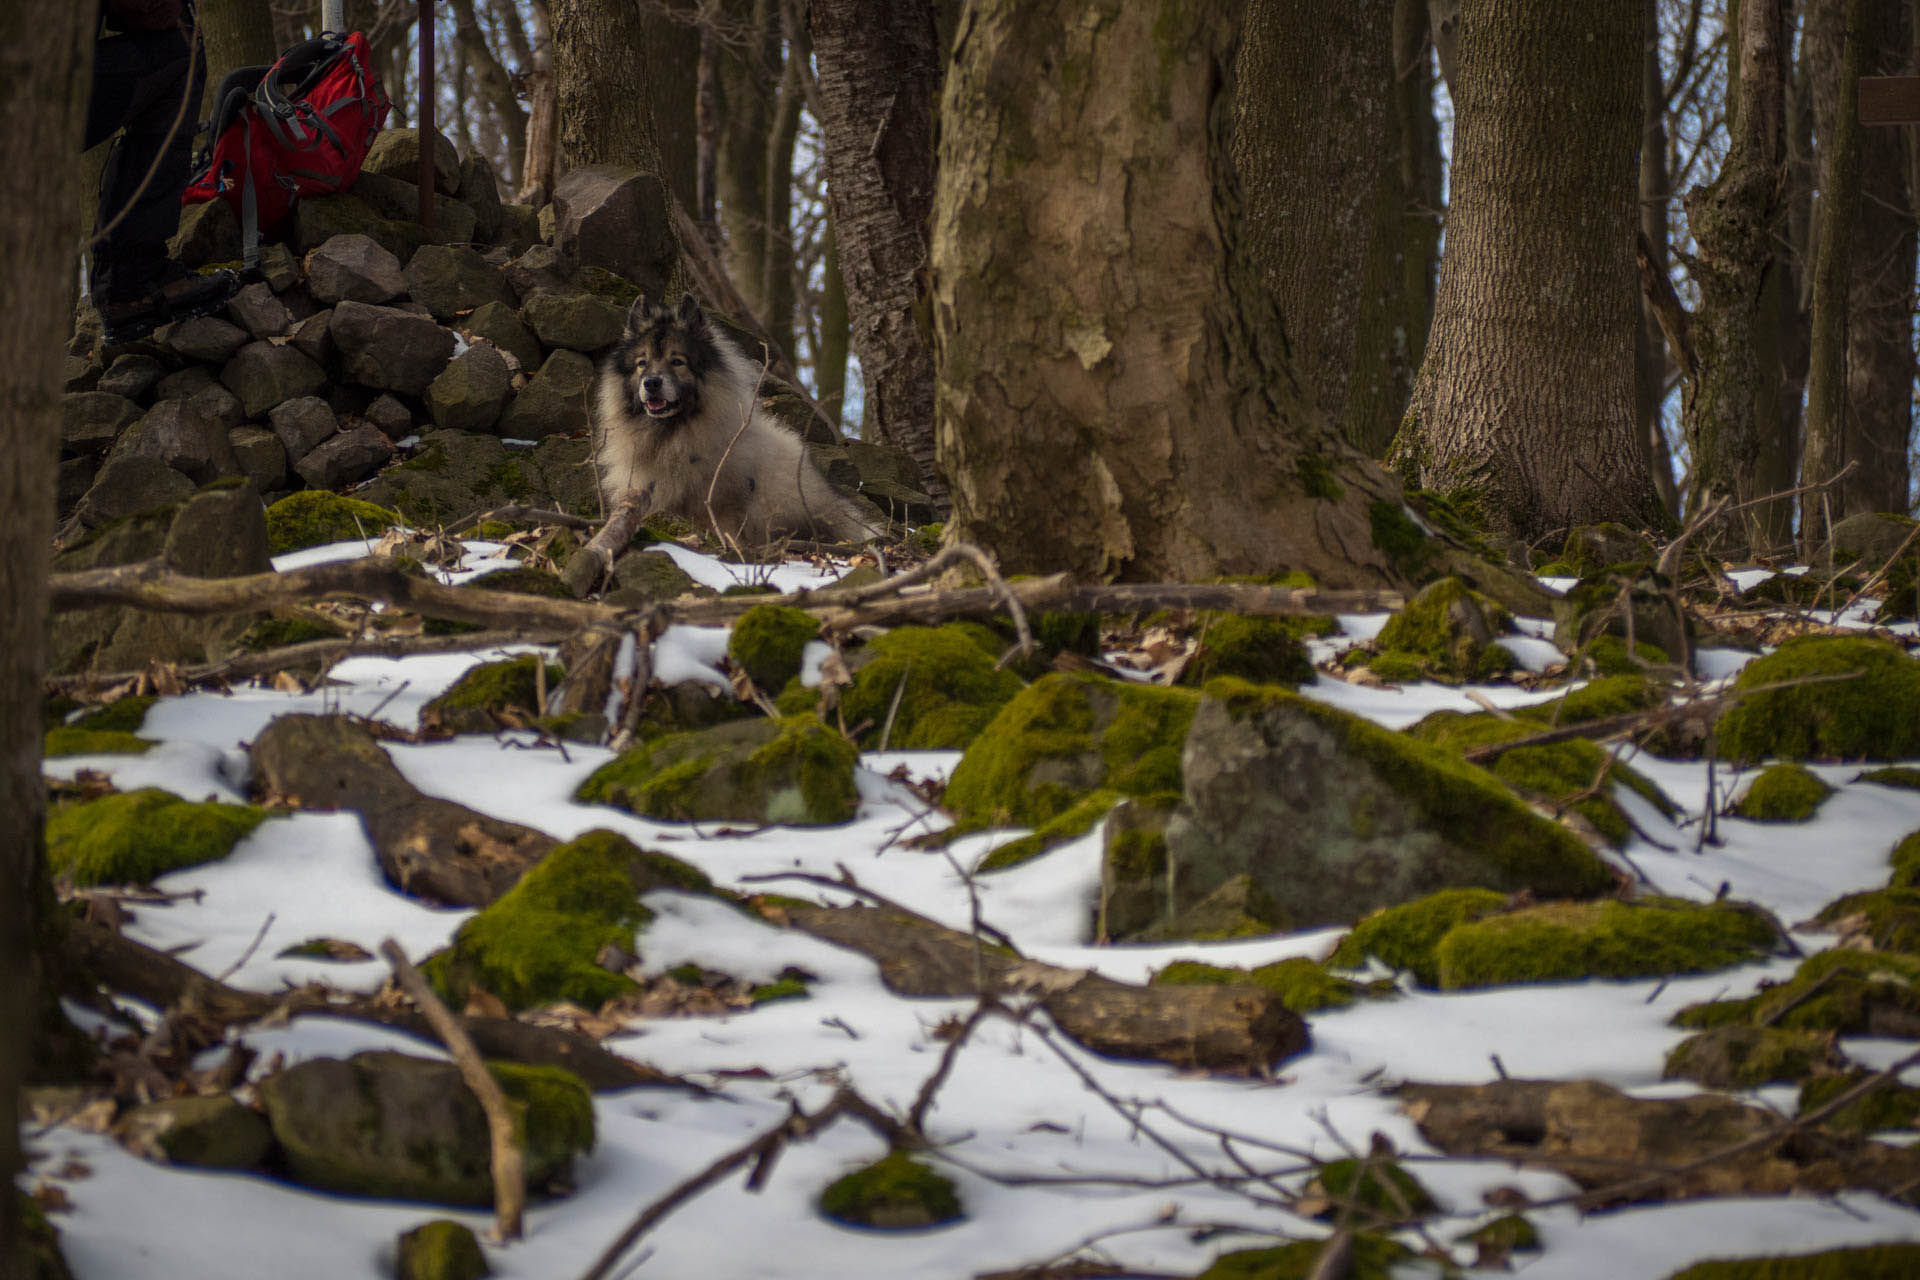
[182, 297]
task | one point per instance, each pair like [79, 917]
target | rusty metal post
[425, 120]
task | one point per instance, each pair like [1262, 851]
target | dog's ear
[639, 316]
[689, 315]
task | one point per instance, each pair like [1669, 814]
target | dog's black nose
[651, 385]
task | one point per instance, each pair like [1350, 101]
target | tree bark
[1734, 221]
[1650, 361]
[747, 79]
[1423, 187]
[626, 90]
[1113, 394]
[45, 65]
[235, 33]
[1525, 400]
[830, 359]
[777, 290]
[879, 78]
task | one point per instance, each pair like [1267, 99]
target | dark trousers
[139, 79]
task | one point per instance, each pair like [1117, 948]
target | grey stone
[519, 226]
[75, 478]
[439, 1250]
[1868, 540]
[553, 401]
[345, 458]
[394, 419]
[184, 384]
[614, 217]
[278, 267]
[131, 375]
[455, 474]
[396, 154]
[78, 373]
[302, 424]
[353, 267]
[319, 219]
[206, 338]
[578, 322]
[259, 312]
[313, 337]
[388, 349]
[264, 375]
[447, 280]
[480, 191]
[92, 420]
[497, 323]
[472, 390]
[903, 504]
[129, 484]
[183, 438]
[208, 232]
[537, 271]
[454, 222]
[218, 404]
[198, 1132]
[261, 457]
[566, 469]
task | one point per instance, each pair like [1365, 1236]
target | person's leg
[141, 80]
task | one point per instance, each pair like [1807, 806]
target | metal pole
[333, 16]
[426, 116]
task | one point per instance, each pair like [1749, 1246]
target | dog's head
[664, 357]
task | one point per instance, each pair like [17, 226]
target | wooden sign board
[1890, 99]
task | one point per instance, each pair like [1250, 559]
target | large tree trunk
[1525, 400]
[626, 90]
[235, 33]
[45, 63]
[1415, 246]
[830, 355]
[747, 79]
[1734, 222]
[1650, 363]
[1114, 399]
[879, 76]
[777, 292]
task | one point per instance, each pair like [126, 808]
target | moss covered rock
[107, 730]
[135, 837]
[1874, 716]
[395, 1127]
[948, 687]
[767, 642]
[1890, 1106]
[1782, 793]
[1448, 629]
[895, 1193]
[793, 771]
[1302, 985]
[440, 1250]
[1884, 919]
[1862, 1262]
[1615, 601]
[1905, 861]
[1259, 650]
[1057, 830]
[213, 1132]
[285, 627]
[1334, 816]
[1593, 547]
[1567, 941]
[1840, 990]
[315, 517]
[544, 940]
[1377, 1188]
[491, 696]
[1373, 1257]
[1404, 937]
[1747, 1057]
[1134, 890]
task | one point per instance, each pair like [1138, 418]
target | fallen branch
[518, 512]
[592, 563]
[509, 1161]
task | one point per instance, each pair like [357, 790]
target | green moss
[314, 517]
[490, 695]
[1379, 1187]
[68, 741]
[1065, 736]
[1891, 1106]
[554, 1110]
[541, 942]
[1555, 772]
[1263, 650]
[927, 537]
[602, 283]
[1071, 825]
[1873, 717]
[896, 1192]
[779, 989]
[1556, 569]
[441, 1250]
[137, 836]
[1436, 627]
[1905, 860]
[1904, 777]
[1372, 1257]
[1302, 985]
[122, 715]
[1397, 668]
[1404, 937]
[794, 771]
[277, 633]
[1862, 1262]
[767, 642]
[39, 1256]
[523, 581]
[1609, 656]
[1840, 990]
[1509, 1233]
[1316, 478]
[1569, 941]
[492, 531]
[1460, 514]
[945, 678]
[1888, 919]
[1748, 1057]
[510, 478]
[1782, 793]
[1397, 536]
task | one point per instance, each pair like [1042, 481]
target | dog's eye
[678, 362]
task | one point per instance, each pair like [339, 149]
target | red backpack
[299, 127]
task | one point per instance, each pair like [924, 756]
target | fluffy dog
[677, 416]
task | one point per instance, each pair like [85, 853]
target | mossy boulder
[1615, 601]
[1905, 861]
[393, 1127]
[1404, 937]
[1873, 716]
[135, 837]
[1448, 629]
[38, 1239]
[895, 1193]
[767, 643]
[1237, 907]
[544, 940]
[1890, 1106]
[107, 730]
[1334, 816]
[491, 696]
[315, 517]
[1782, 793]
[1372, 1257]
[793, 771]
[1747, 1057]
[1063, 737]
[1861, 1262]
[1057, 830]
[1134, 893]
[945, 677]
[1259, 650]
[1500, 1239]
[440, 1250]
[1569, 941]
[1373, 1188]
[1302, 985]
[289, 626]
[1608, 655]
[1849, 992]
[1593, 547]
[213, 1132]
[1884, 919]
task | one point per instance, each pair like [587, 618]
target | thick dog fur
[676, 415]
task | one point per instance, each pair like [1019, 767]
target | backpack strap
[249, 210]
